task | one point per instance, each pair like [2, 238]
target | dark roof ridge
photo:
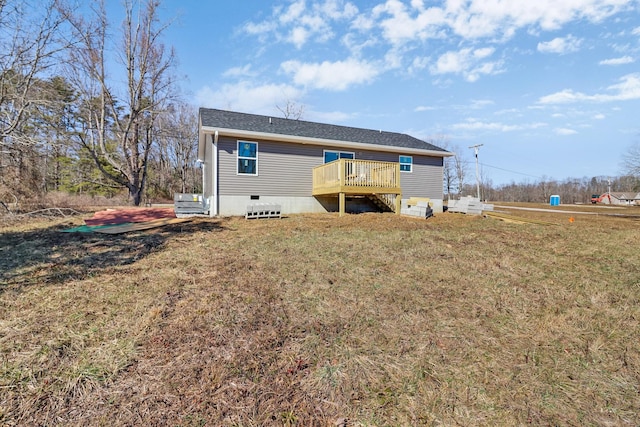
[304, 121]
[226, 119]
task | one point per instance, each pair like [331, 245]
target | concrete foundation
[237, 205]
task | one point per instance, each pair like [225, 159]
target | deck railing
[357, 177]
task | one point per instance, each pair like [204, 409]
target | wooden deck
[359, 177]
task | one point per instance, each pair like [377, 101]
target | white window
[406, 163]
[247, 158]
[330, 156]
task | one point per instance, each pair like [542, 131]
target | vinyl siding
[284, 169]
[425, 179]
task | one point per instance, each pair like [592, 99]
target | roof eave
[320, 141]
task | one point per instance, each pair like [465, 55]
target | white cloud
[329, 116]
[298, 36]
[621, 48]
[402, 26]
[393, 59]
[363, 23]
[599, 116]
[627, 89]
[356, 45]
[247, 97]
[483, 52]
[467, 62]
[336, 76]
[399, 26]
[417, 4]
[452, 62]
[566, 131]
[239, 72]
[337, 9]
[421, 108]
[618, 61]
[473, 19]
[419, 63]
[299, 23]
[487, 68]
[560, 45]
[477, 125]
[563, 97]
[293, 12]
[316, 24]
[636, 31]
[403, 21]
[477, 104]
[508, 111]
[260, 28]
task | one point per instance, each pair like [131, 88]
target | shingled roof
[221, 119]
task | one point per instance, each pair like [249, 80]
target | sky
[550, 88]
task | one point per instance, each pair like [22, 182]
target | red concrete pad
[120, 216]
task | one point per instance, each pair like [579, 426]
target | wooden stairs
[386, 202]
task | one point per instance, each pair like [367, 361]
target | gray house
[621, 198]
[311, 167]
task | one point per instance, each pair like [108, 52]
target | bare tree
[183, 146]
[30, 42]
[460, 166]
[448, 175]
[119, 126]
[546, 188]
[30, 46]
[292, 110]
[486, 186]
[631, 160]
[175, 154]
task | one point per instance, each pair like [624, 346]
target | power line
[467, 162]
[502, 169]
[510, 171]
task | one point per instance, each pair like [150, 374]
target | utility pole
[476, 147]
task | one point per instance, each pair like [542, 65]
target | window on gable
[330, 156]
[247, 158]
[406, 163]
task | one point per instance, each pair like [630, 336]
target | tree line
[86, 108]
[570, 190]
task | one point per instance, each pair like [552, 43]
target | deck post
[398, 203]
[342, 203]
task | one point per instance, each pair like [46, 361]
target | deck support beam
[398, 203]
[342, 203]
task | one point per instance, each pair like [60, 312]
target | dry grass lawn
[366, 320]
